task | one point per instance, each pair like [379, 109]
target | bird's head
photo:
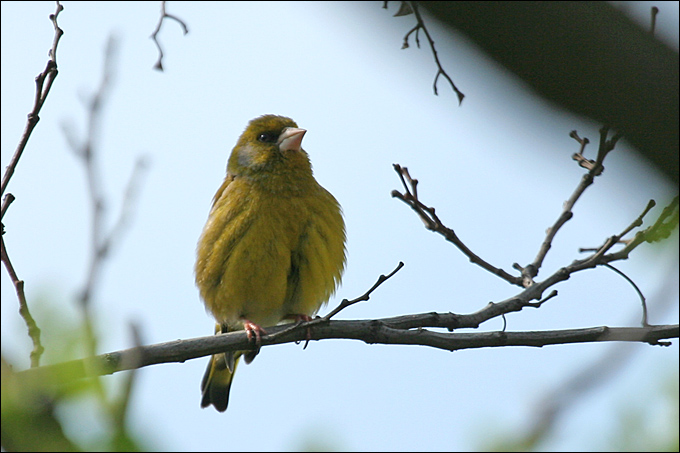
[270, 144]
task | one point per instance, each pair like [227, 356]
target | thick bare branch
[372, 331]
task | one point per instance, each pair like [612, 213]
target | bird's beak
[291, 139]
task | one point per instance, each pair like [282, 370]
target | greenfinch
[273, 247]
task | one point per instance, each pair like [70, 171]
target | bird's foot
[299, 319]
[254, 332]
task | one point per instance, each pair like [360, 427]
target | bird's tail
[218, 377]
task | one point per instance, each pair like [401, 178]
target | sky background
[497, 169]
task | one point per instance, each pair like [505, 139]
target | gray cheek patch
[246, 156]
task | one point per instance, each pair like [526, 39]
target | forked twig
[407, 8]
[595, 168]
[154, 35]
[433, 223]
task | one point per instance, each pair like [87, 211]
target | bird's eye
[268, 137]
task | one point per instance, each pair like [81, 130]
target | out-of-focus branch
[554, 403]
[586, 57]
[103, 239]
[86, 150]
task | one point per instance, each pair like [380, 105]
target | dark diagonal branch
[43, 84]
[364, 297]
[343, 304]
[433, 223]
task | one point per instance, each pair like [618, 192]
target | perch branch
[374, 331]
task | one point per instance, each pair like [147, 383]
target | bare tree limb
[372, 331]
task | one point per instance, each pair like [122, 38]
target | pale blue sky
[497, 169]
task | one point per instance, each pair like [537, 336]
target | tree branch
[595, 168]
[372, 331]
[433, 223]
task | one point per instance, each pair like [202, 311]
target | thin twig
[433, 223]
[364, 297]
[185, 30]
[665, 224]
[119, 408]
[343, 304]
[594, 169]
[440, 70]
[661, 229]
[655, 11]
[43, 84]
[33, 329]
[407, 8]
[617, 239]
[638, 222]
[642, 297]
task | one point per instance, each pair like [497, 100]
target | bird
[273, 247]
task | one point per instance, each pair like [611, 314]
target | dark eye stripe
[268, 137]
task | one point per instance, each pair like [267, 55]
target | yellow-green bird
[273, 247]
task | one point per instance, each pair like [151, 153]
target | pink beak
[291, 139]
